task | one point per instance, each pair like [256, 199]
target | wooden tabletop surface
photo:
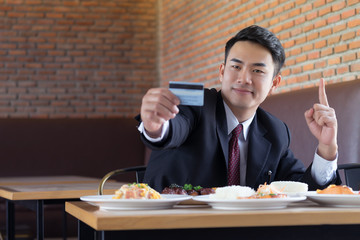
[5, 181]
[185, 216]
[60, 190]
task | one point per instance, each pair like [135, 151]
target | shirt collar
[232, 122]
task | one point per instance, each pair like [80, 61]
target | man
[191, 144]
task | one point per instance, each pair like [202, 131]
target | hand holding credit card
[191, 94]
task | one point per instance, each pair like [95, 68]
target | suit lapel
[221, 127]
[258, 153]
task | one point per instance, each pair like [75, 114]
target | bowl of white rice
[291, 188]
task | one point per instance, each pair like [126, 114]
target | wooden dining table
[302, 220]
[35, 192]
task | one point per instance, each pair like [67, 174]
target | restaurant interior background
[96, 59]
[81, 67]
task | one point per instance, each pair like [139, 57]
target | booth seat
[86, 147]
[343, 97]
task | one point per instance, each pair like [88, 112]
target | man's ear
[221, 72]
[275, 83]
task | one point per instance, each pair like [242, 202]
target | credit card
[191, 94]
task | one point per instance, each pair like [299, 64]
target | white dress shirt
[322, 170]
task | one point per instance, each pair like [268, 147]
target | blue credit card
[191, 94]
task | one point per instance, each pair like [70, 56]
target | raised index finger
[322, 94]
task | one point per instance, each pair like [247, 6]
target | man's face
[247, 78]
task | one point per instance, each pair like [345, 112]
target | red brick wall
[321, 38]
[75, 58]
[97, 58]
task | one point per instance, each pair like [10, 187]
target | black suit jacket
[196, 149]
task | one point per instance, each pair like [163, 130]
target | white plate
[106, 202]
[249, 204]
[336, 200]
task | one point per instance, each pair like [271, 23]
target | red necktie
[234, 157]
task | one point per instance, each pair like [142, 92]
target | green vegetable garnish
[188, 187]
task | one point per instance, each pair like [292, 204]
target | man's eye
[258, 71]
[235, 66]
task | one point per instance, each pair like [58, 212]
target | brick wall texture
[75, 58]
[97, 58]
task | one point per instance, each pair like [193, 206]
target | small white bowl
[291, 188]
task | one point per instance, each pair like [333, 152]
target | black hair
[263, 37]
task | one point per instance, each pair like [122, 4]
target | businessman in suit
[191, 144]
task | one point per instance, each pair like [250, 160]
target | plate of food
[335, 196]
[137, 196]
[246, 198]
